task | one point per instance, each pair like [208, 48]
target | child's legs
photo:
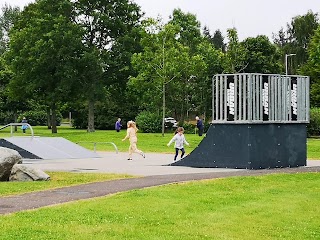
[130, 151]
[175, 156]
[182, 152]
[134, 147]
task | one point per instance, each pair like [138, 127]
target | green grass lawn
[313, 148]
[278, 206]
[57, 179]
[148, 142]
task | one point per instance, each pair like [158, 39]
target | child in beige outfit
[132, 136]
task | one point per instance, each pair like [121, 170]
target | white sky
[250, 17]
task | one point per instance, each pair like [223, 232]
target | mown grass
[313, 148]
[57, 179]
[147, 142]
[282, 206]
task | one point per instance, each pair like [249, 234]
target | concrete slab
[109, 162]
[51, 147]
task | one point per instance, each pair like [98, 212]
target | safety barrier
[260, 98]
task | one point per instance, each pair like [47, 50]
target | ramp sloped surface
[250, 146]
[51, 147]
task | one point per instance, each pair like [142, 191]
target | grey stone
[8, 158]
[24, 173]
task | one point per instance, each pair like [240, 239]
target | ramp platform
[46, 148]
[250, 146]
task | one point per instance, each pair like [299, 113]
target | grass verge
[282, 206]
[148, 142]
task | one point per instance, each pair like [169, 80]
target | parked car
[170, 122]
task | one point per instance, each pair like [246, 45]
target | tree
[261, 55]
[45, 54]
[209, 63]
[218, 41]
[104, 23]
[295, 39]
[7, 18]
[301, 30]
[312, 68]
[163, 61]
[190, 31]
[235, 56]
[8, 107]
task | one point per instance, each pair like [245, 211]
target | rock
[24, 173]
[8, 158]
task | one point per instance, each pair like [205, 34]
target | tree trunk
[49, 124]
[163, 107]
[54, 120]
[91, 116]
[15, 116]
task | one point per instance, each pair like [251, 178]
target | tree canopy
[101, 60]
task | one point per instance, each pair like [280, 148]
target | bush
[313, 128]
[149, 122]
[206, 127]
[38, 118]
[188, 127]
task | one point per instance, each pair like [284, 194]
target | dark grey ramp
[250, 146]
[51, 147]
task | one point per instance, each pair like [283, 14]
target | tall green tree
[190, 31]
[201, 89]
[45, 54]
[296, 38]
[235, 57]
[262, 56]
[218, 41]
[8, 107]
[162, 63]
[312, 68]
[8, 16]
[104, 23]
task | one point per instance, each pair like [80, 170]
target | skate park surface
[112, 162]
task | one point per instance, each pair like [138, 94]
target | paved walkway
[152, 171]
[153, 164]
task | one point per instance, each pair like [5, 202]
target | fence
[260, 98]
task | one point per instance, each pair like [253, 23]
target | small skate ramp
[249, 146]
[46, 148]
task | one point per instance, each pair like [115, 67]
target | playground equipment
[259, 121]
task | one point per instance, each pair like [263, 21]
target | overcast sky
[250, 17]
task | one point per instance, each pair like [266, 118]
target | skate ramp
[250, 146]
[46, 148]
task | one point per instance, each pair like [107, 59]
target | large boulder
[24, 173]
[8, 158]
